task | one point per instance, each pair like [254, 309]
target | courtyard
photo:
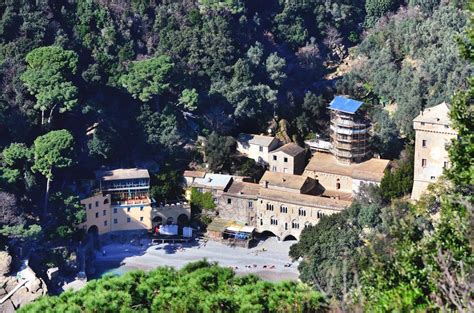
[269, 259]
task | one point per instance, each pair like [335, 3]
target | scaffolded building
[349, 131]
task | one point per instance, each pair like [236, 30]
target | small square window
[128, 219]
[422, 123]
[285, 160]
[141, 208]
[274, 158]
[141, 218]
[128, 209]
[229, 201]
[433, 177]
[115, 221]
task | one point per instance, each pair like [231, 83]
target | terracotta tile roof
[196, 174]
[244, 189]
[258, 140]
[291, 149]
[284, 180]
[122, 173]
[303, 199]
[371, 170]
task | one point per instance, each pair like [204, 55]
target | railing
[348, 154]
[346, 131]
[348, 123]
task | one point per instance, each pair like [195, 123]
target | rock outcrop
[18, 290]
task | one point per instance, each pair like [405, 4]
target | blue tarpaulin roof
[345, 104]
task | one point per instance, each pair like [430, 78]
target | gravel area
[269, 259]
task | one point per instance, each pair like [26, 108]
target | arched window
[295, 224]
[106, 201]
[307, 224]
[269, 207]
[338, 184]
[273, 220]
[302, 212]
[283, 209]
[319, 214]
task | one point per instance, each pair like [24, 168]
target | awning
[240, 229]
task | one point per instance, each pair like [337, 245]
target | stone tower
[433, 134]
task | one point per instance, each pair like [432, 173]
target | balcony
[348, 131]
[348, 123]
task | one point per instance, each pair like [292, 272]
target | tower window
[423, 162]
[423, 143]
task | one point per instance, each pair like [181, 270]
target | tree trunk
[50, 117]
[46, 197]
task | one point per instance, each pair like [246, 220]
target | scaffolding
[349, 133]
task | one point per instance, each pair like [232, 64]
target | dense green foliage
[398, 181]
[402, 256]
[198, 287]
[412, 60]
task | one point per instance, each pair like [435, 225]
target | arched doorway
[183, 220]
[169, 220]
[290, 238]
[93, 236]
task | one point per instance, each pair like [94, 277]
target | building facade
[433, 134]
[288, 203]
[239, 203]
[349, 131]
[122, 203]
[289, 159]
[257, 147]
[344, 180]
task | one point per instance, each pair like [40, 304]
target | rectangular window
[115, 210]
[128, 209]
[260, 148]
[105, 223]
[104, 212]
[274, 168]
[229, 201]
[115, 221]
[422, 123]
[90, 206]
[423, 162]
[446, 164]
[423, 143]
[250, 204]
[274, 158]
[141, 208]
[141, 218]
[97, 215]
[96, 203]
[433, 177]
[128, 219]
[285, 160]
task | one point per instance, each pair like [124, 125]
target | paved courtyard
[269, 259]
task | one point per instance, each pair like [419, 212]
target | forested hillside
[90, 84]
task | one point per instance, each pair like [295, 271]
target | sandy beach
[269, 259]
